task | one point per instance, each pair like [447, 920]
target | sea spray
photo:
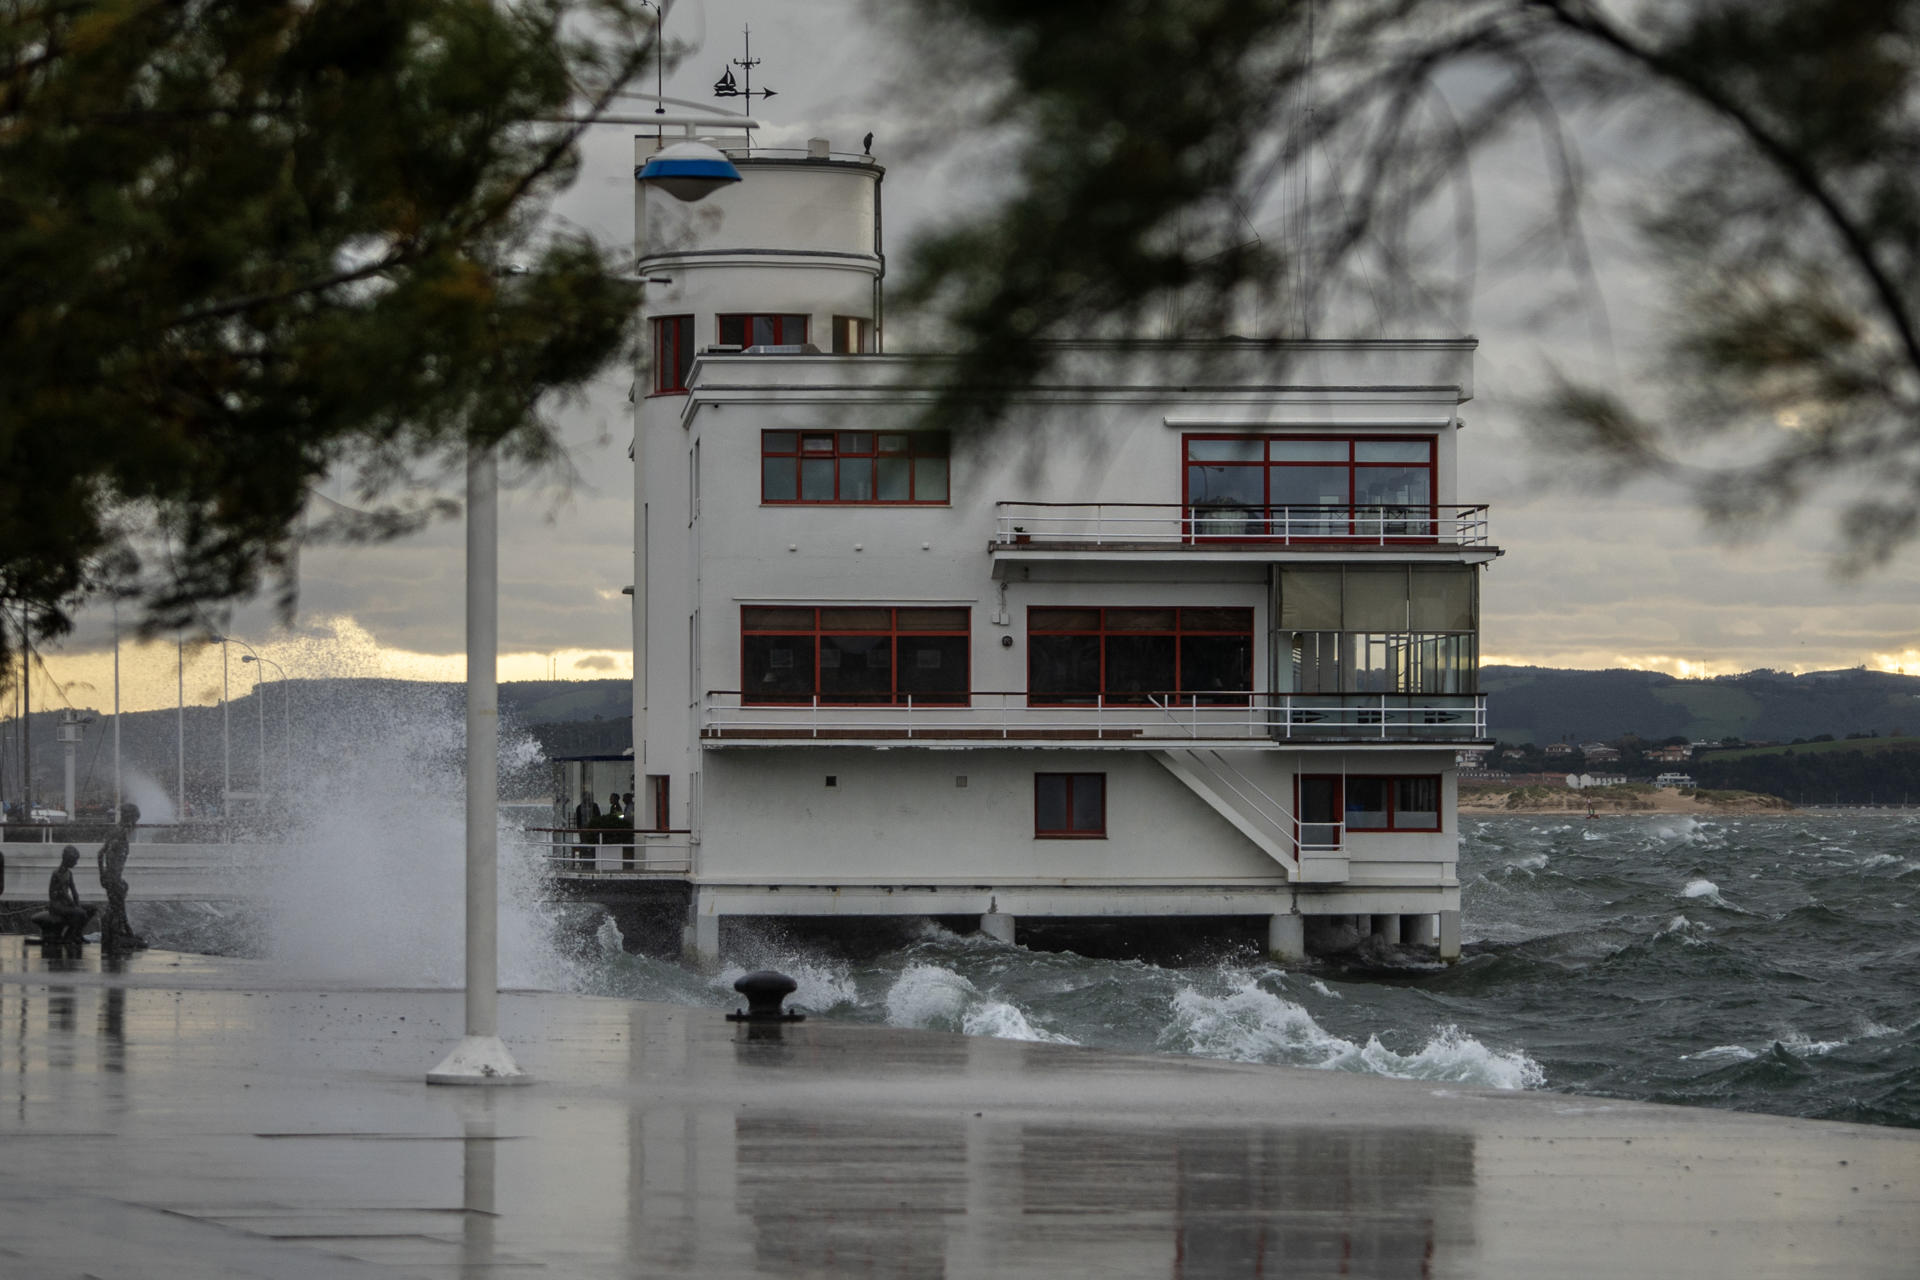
[367, 882]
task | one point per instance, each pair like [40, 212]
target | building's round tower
[790, 257]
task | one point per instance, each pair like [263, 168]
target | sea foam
[932, 997]
[1252, 1024]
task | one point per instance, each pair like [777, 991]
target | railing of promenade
[210, 867]
[589, 852]
[1144, 720]
[93, 831]
[1172, 526]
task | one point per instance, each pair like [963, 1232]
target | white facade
[1103, 661]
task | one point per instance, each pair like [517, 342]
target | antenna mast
[727, 87]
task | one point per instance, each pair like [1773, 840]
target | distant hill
[1856, 771]
[565, 717]
[1545, 704]
[594, 717]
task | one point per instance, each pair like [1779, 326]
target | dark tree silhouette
[246, 244]
[1147, 141]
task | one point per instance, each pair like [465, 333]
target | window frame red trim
[1068, 833]
[912, 455]
[1340, 781]
[1107, 697]
[895, 633]
[663, 369]
[779, 319]
[1266, 464]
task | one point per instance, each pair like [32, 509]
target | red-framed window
[1309, 487]
[753, 330]
[854, 467]
[859, 655]
[1076, 656]
[672, 353]
[1069, 806]
[1367, 803]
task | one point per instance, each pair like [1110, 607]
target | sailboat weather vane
[727, 87]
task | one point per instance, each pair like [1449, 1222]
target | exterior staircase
[1236, 797]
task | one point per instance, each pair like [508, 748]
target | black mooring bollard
[764, 990]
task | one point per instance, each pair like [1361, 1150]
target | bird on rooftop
[867, 142]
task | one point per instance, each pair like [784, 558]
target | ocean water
[1762, 964]
[1754, 963]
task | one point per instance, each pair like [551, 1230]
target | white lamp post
[482, 1057]
[260, 716]
[286, 719]
[118, 799]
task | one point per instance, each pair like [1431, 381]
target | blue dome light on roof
[688, 170]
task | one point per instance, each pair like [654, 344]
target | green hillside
[1543, 704]
[1867, 746]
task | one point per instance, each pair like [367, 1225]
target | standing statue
[64, 921]
[115, 933]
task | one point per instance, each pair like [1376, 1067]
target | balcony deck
[1026, 531]
[1258, 721]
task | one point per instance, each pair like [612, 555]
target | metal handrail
[1031, 524]
[631, 852]
[1143, 719]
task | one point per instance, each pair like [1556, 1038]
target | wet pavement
[199, 1117]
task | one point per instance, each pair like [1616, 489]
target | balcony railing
[611, 852]
[1087, 525]
[1141, 721]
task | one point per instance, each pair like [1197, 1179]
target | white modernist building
[1197, 650]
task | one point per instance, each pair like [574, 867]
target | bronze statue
[115, 933]
[64, 921]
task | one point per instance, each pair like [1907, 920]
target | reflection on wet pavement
[185, 1128]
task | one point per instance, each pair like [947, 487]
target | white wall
[764, 813]
[898, 816]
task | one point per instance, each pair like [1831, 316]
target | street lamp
[260, 709]
[286, 718]
[686, 171]
[226, 744]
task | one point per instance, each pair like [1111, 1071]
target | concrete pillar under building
[703, 937]
[1287, 938]
[1420, 931]
[1387, 929]
[997, 925]
[1449, 935]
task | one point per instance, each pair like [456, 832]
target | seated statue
[65, 919]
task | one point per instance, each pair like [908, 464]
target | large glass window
[1400, 629]
[672, 353]
[1069, 806]
[1310, 487]
[762, 330]
[1076, 657]
[854, 654]
[853, 467]
[1367, 803]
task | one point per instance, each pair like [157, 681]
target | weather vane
[727, 87]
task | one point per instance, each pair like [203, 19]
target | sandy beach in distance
[1615, 801]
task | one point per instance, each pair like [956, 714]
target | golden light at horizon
[150, 676]
[341, 647]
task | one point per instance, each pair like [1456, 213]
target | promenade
[195, 1117]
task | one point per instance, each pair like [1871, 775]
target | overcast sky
[1589, 579]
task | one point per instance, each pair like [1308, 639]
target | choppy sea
[1754, 963]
